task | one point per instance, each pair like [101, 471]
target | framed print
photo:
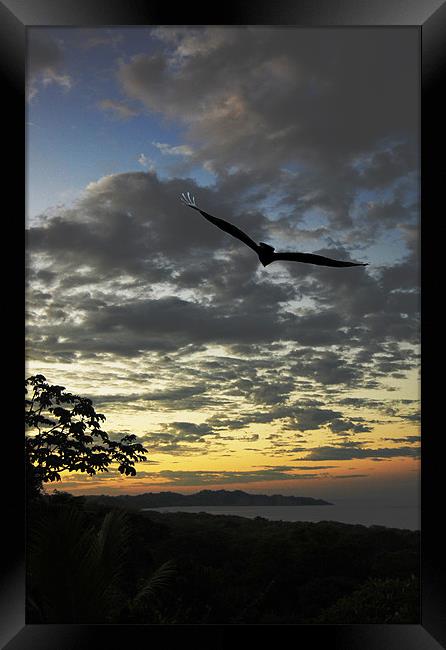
[229, 225]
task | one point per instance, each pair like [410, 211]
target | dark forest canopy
[111, 565]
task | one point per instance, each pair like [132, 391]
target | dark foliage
[90, 563]
[238, 570]
[90, 566]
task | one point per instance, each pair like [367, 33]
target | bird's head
[266, 247]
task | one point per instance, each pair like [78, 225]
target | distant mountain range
[204, 498]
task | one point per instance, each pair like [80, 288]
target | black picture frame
[429, 17]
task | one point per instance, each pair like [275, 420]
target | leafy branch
[64, 433]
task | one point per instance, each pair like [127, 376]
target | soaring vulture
[266, 253]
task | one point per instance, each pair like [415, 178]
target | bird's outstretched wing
[310, 258]
[189, 200]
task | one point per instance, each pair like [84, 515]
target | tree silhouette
[64, 433]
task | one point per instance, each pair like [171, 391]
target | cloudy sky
[292, 379]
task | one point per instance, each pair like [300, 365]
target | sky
[294, 378]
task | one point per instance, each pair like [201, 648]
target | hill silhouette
[203, 498]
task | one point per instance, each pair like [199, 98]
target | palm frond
[157, 583]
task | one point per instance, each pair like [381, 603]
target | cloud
[118, 110]
[190, 430]
[310, 418]
[195, 477]
[191, 478]
[100, 38]
[44, 63]
[350, 451]
[413, 440]
[178, 150]
[325, 366]
[190, 43]
[341, 426]
[175, 397]
[144, 161]
[129, 234]
[344, 476]
[315, 467]
[250, 81]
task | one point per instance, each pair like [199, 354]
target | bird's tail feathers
[188, 200]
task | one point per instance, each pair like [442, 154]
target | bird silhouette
[266, 253]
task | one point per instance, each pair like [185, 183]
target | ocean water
[345, 511]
